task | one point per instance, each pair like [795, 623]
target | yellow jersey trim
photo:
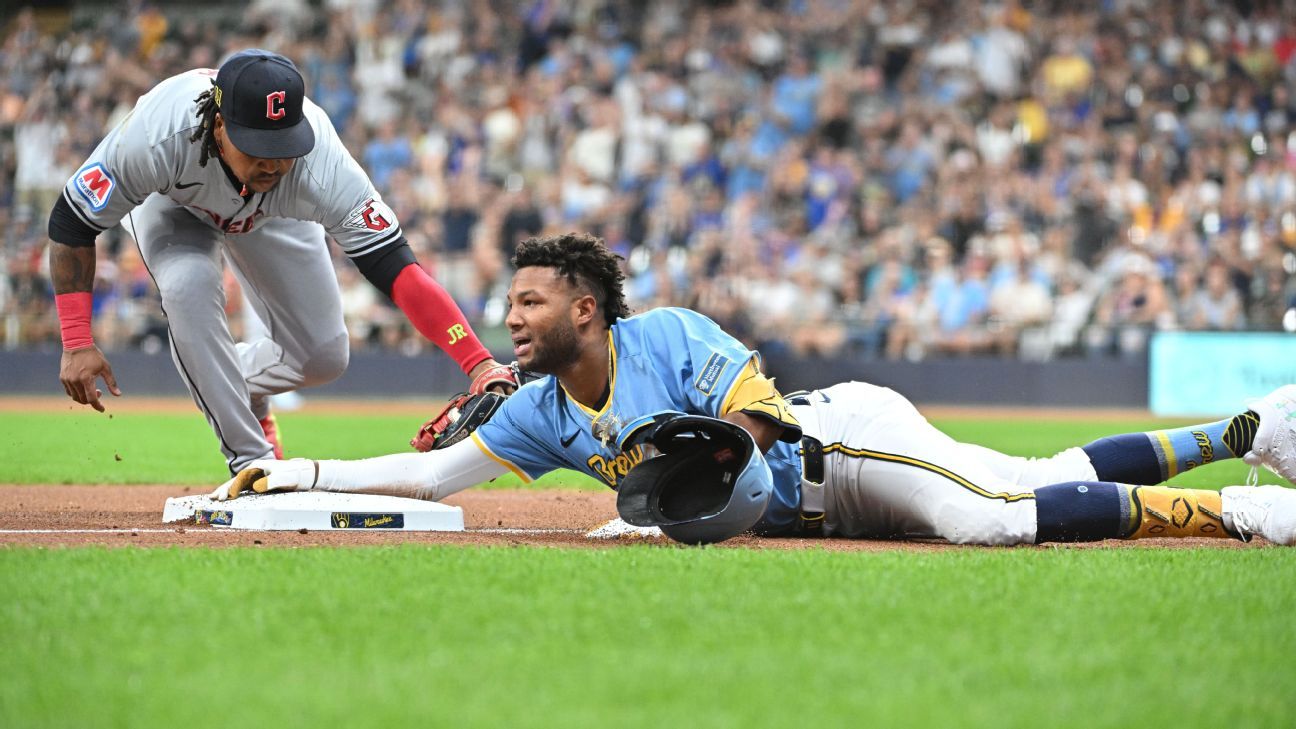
[755, 393]
[612, 370]
[748, 371]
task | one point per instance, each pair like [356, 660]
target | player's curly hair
[586, 262]
[206, 131]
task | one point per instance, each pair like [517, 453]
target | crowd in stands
[866, 178]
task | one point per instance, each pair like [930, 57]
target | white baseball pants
[888, 473]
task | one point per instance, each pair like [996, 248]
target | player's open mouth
[521, 347]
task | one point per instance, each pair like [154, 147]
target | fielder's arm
[368, 231]
[72, 270]
[394, 271]
[124, 169]
[430, 476]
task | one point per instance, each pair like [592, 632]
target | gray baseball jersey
[189, 220]
[151, 152]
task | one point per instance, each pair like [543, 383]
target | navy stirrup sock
[1127, 458]
[1081, 511]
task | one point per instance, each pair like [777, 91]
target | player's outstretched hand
[266, 475]
[78, 371]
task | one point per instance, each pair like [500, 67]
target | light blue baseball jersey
[663, 360]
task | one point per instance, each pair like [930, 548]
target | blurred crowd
[827, 177]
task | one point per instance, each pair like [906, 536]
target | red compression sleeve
[437, 317]
[74, 319]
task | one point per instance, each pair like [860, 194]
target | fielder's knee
[189, 291]
[326, 362]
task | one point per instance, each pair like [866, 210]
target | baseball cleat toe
[1274, 446]
[1269, 511]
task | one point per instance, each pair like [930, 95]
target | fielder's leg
[183, 256]
[288, 277]
[297, 336]
[255, 330]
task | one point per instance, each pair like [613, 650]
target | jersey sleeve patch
[372, 214]
[711, 371]
[95, 185]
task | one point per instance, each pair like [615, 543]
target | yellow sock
[1161, 511]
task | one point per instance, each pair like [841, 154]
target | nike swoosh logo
[825, 397]
[568, 440]
[184, 185]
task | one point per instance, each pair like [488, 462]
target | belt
[811, 519]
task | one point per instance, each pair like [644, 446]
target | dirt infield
[70, 516]
[116, 515]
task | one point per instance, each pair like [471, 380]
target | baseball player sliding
[851, 460]
[238, 161]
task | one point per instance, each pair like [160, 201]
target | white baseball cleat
[1269, 511]
[1274, 446]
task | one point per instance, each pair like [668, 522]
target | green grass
[152, 448]
[637, 636]
[149, 448]
[646, 637]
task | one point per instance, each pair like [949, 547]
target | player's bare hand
[267, 475]
[491, 376]
[79, 369]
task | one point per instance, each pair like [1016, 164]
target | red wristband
[74, 319]
[437, 317]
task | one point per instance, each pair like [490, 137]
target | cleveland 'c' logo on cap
[275, 104]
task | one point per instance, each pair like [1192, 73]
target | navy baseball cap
[260, 96]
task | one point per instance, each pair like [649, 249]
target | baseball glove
[504, 378]
[460, 417]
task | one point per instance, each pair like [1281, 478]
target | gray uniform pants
[288, 277]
